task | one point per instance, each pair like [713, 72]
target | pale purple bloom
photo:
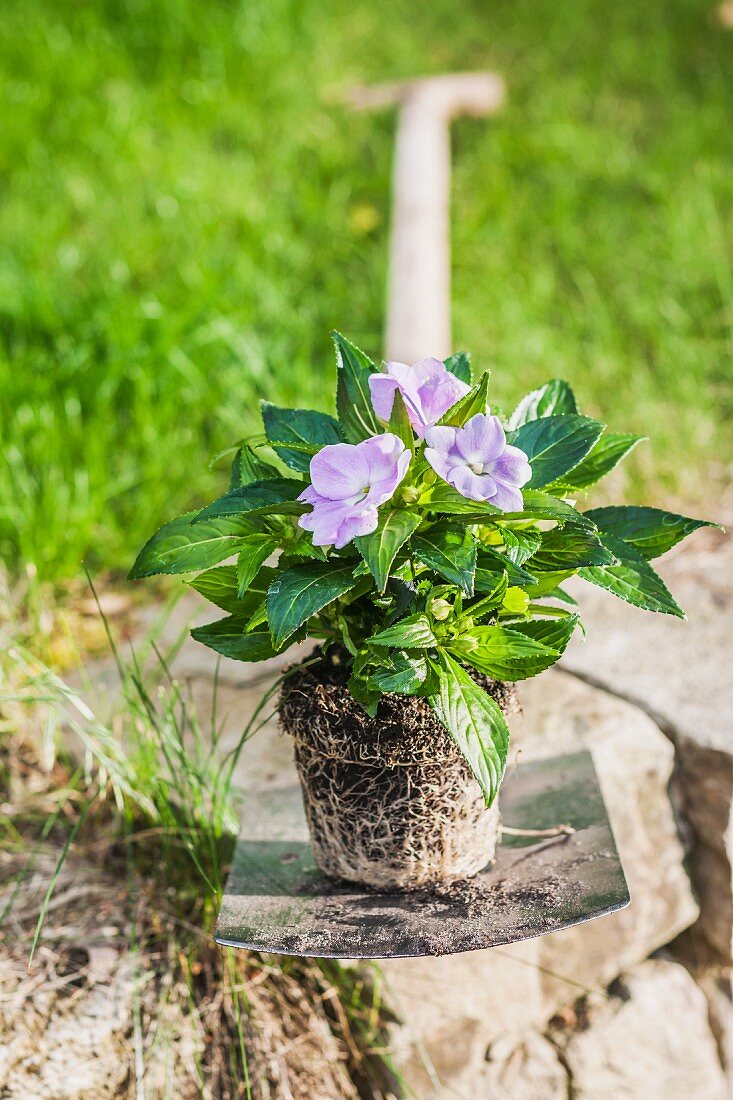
[477, 461]
[348, 483]
[428, 389]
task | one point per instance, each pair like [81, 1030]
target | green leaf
[538, 505]
[219, 586]
[414, 632]
[487, 563]
[366, 695]
[446, 500]
[399, 422]
[494, 585]
[520, 544]
[568, 548]
[185, 546]
[555, 444]
[547, 582]
[632, 579]
[475, 722]
[553, 633]
[253, 552]
[651, 531]
[475, 401]
[379, 549]
[276, 497]
[353, 399]
[604, 457]
[299, 593]
[228, 637]
[504, 653]
[450, 551]
[247, 467]
[299, 426]
[553, 399]
[406, 673]
[460, 365]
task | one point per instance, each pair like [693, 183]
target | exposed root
[391, 802]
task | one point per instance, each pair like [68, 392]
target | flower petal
[441, 438]
[387, 459]
[356, 524]
[437, 389]
[481, 439]
[382, 389]
[471, 485]
[339, 472]
[325, 521]
[507, 497]
[512, 467]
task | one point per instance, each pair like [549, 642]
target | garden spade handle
[418, 299]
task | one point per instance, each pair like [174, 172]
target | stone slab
[680, 674]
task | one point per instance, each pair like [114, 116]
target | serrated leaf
[185, 546]
[539, 505]
[253, 552]
[304, 427]
[399, 422]
[600, 460]
[552, 399]
[494, 593]
[475, 401]
[475, 722]
[489, 560]
[248, 467]
[228, 637]
[554, 445]
[460, 364]
[275, 496]
[568, 548]
[379, 549]
[553, 633]
[520, 544]
[219, 586]
[301, 592]
[450, 551]
[504, 653]
[406, 673]
[651, 531]
[442, 498]
[547, 581]
[353, 398]
[632, 579]
[414, 632]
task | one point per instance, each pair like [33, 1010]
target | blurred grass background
[186, 210]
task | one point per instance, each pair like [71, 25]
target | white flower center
[476, 467]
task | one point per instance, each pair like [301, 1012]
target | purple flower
[477, 461]
[348, 483]
[428, 389]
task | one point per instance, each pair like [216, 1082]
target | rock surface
[634, 761]
[679, 672]
[486, 993]
[522, 1067]
[650, 1039]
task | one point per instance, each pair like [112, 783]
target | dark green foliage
[308, 429]
[444, 584]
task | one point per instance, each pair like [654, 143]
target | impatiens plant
[425, 537]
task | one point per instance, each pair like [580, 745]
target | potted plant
[423, 542]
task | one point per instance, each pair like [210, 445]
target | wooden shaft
[418, 295]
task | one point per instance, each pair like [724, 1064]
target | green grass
[185, 212]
